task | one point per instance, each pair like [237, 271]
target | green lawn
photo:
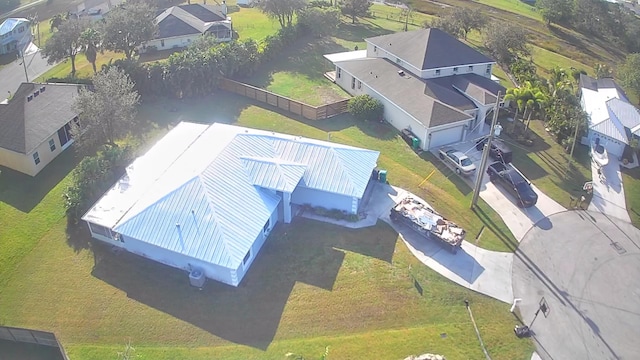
[547, 165]
[514, 6]
[631, 181]
[83, 67]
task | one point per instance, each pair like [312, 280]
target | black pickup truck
[513, 181]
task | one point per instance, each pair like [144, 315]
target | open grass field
[631, 181]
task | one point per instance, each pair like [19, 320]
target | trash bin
[415, 143]
[383, 176]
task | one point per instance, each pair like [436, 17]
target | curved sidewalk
[487, 272]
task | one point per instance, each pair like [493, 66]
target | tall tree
[65, 43]
[355, 9]
[468, 20]
[319, 21]
[57, 20]
[90, 40]
[107, 111]
[555, 11]
[629, 73]
[507, 42]
[282, 10]
[128, 27]
[446, 24]
[602, 71]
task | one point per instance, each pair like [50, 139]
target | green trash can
[415, 143]
[383, 176]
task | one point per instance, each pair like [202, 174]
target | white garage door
[447, 136]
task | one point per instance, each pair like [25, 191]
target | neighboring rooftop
[9, 24]
[426, 100]
[34, 113]
[188, 19]
[206, 191]
[429, 49]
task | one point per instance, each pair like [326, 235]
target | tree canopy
[355, 8]
[90, 40]
[107, 111]
[282, 10]
[629, 72]
[555, 11]
[320, 21]
[128, 27]
[65, 43]
[507, 42]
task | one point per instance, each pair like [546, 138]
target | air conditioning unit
[197, 278]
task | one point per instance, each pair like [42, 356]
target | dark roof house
[188, 19]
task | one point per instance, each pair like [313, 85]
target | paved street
[12, 75]
[587, 267]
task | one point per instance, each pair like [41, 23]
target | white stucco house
[428, 81]
[207, 196]
[35, 125]
[179, 26]
[15, 35]
[611, 117]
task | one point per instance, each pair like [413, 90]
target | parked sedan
[514, 182]
[460, 162]
[499, 150]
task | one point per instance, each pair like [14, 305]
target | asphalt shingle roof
[187, 19]
[429, 49]
[426, 100]
[26, 124]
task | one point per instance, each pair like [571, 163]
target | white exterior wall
[613, 146]
[25, 163]
[173, 42]
[302, 195]
[212, 271]
[479, 69]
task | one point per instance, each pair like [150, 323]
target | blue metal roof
[627, 114]
[215, 198]
[8, 25]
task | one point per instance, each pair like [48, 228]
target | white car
[460, 162]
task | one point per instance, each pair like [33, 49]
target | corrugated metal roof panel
[213, 198]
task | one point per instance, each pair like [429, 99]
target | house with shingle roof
[428, 81]
[179, 26]
[612, 118]
[36, 124]
[206, 197]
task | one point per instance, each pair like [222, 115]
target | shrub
[364, 107]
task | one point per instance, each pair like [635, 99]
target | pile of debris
[426, 357]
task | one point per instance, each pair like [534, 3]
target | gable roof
[26, 124]
[219, 183]
[608, 107]
[426, 100]
[187, 19]
[9, 24]
[482, 89]
[429, 49]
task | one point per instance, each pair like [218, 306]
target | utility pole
[575, 137]
[24, 64]
[485, 154]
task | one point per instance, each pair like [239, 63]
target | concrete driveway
[608, 191]
[518, 220]
[588, 270]
[12, 75]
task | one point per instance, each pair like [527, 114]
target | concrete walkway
[484, 271]
[608, 191]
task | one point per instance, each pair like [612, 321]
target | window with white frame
[353, 83]
[100, 230]
[375, 49]
[36, 158]
[339, 73]
[52, 145]
[359, 84]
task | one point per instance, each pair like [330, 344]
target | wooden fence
[284, 103]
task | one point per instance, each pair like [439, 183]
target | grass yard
[83, 67]
[250, 23]
[547, 165]
[631, 182]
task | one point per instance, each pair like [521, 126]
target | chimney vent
[401, 72]
[36, 93]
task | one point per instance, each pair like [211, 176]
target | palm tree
[535, 102]
[517, 95]
[90, 40]
[57, 20]
[559, 81]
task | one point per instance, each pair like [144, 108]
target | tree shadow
[359, 31]
[460, 183]
[24, 192]
[78, 236]
[305, 251]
